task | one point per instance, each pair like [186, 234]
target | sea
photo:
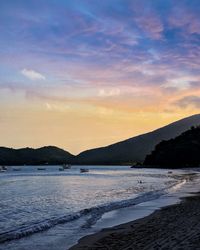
[51, 209]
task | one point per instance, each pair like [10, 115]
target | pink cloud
[185, 18]
[151, 25]
[147, 19]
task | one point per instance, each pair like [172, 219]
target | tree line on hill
[182, 151]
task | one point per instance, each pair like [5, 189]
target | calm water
[41, 209]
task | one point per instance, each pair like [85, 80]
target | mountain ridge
[127, 151]
[137, 147]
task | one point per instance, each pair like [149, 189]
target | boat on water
[3, 169]
[84, 170]
[66, 166]
[41, 169]
[61, 169]
[16, 169]
[136, 165]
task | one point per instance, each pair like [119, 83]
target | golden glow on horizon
[79, 127]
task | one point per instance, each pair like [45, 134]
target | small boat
[136, 165]
[84, 170]
[41, 169]
[17, 169]
[66, 166]
[170, 172]
[3, 169]
[61, 169]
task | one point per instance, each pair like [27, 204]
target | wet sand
[173, 227]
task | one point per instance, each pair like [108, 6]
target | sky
[80, 74]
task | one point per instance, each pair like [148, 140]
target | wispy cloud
[57, 107]
[185, 18]
[109, 92]
[32, 74]
[151, 25]
[189, 101]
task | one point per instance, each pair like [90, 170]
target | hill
[128, 151]
[30, 156]
[182, 151]
[135, 148]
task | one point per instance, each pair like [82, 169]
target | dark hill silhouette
[182, 151]
[30, 156]
[135, 149]
[128, 151]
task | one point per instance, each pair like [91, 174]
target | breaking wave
[91, 214]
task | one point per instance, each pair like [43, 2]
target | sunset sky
[80, 74]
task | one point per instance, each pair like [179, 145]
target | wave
[94, 214]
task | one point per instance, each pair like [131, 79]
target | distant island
[126, 152]
[182, 151]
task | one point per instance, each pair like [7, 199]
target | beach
[172, 227]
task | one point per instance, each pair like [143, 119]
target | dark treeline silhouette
[29, 156]
[182, 151]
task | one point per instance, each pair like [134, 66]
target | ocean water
[52, 209]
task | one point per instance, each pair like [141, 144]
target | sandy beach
[172, 227]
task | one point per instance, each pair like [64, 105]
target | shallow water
[41, 209]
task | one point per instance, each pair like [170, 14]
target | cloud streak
[189, 101]
[32, 74]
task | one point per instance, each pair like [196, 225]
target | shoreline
[172, 227]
